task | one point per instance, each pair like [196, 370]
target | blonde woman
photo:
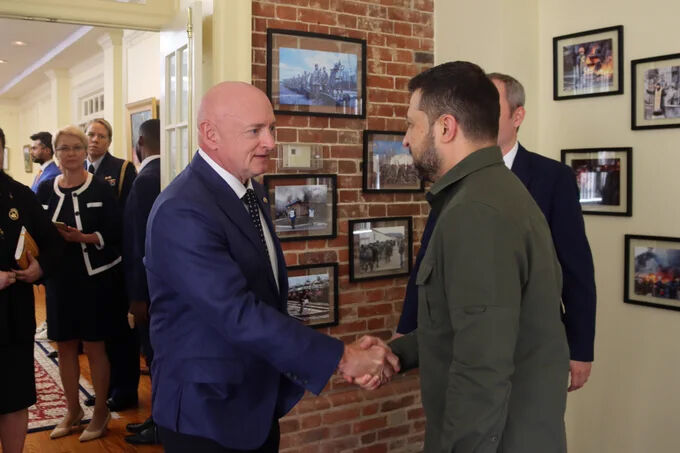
[80, 305]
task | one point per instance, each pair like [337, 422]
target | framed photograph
[315, 74]
[28, 161]
[380, 248]
[300, 156]
[605, 179]
[589, 63]
[652, 272]
[388, 165]
[137, 113]
[302, 206]
[313, 294]
[655, 91]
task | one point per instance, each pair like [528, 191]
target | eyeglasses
[66, 149]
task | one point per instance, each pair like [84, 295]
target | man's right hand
[370, 360]
[140, 310]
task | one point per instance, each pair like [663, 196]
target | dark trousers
[123, 352]
[184, 443]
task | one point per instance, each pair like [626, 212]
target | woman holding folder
[80, 305]
[22, 221]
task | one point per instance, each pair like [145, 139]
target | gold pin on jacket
[14, 214]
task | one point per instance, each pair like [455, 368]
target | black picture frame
[302, 91]
[583, 61]
[401, 176]
[604, 177]
[362, 268]
[310, 301]
[310, 203]
[652, 276]
[650, 110]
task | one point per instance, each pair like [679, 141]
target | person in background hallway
[43, 155]
[228, 360]
[20, 209]
[143, 193]
[80, 302]
[490, 344]
[553, 187]
[122, 347]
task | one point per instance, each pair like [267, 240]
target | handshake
[368, 362]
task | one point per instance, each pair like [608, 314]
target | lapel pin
[265, 199]
[14, 214]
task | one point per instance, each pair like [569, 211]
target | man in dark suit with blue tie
[228, 360]
[553, 187]
[144, 191]
[43, 155]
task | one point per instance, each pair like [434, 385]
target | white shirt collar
[235, 184]
[96, 162]
[45, 164]
[147, 160]
[510, 157]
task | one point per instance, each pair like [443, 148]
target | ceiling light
[19, 43]
[2, 61]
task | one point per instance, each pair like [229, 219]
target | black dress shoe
[149, 436]
[90, 401]
[120, 404]
[139, 427]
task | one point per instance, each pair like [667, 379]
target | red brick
[349, 181]
[317, 28]
[287, 24]
[349, 137]
[316, 16]
[318, 122]
[347, 166]
[348, 196]
[347, 21]
[402, 28]
[313, 404]
[393, 405]
[330, 418]
[352, 327]
[375, 295]
[377, 210]
[395, 431]
[313, 435]
[346, 152]
[369, 438]
[317, 136]
[346, 123]
[288, 425]
[311, 421]
[377, 448]
[374, 310]
[377, 124]
[369, 424]
[339, 241]
[415, 413]
[286, 135]
[350, 7]
[380, 81]
[320, 4]
[263, 9]
[291, 259]
[343, 255]
[286, 12]
[259, 40]
[344, 398]
[375, 25]
[293, 246]
[318, 257]
[376, 323]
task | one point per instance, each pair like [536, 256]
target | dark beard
[429, 163]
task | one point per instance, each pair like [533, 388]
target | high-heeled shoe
[89, 434]
[61, 431]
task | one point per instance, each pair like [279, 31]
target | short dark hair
[463, 90]
[45, 138]
[2, 139]
[151, 131]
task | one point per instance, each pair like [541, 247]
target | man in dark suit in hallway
[144, 191]
[43, 155]
[553, 187]
[123, 348]
[229, 361]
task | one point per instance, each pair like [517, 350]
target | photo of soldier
[389, 164]
[312, 294]
[379, 250]
[662, 93]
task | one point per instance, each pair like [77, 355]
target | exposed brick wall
[400, 44]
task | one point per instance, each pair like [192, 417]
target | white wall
[142, 68]
[630, 404]
[498, 35]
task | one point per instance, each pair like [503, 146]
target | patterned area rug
[50, 407]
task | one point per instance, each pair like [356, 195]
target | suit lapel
[233, 208]
[280, 259]
[522, 166]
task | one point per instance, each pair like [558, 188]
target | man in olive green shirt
[490, 344]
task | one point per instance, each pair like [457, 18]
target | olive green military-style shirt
[490, 343]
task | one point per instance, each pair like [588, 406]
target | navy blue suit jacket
[109, 169]
[228, 359]
[50, 172]
[144, 191]
[553, 187]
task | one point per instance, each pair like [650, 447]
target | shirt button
[494, 438]
[76, 213]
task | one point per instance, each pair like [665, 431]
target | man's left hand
[579, 373]
[32, 273]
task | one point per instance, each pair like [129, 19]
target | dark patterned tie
[91, 169]
[251, 201]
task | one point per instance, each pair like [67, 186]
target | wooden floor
[113, 441]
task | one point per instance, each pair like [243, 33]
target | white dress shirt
[240, 190]
[147, 160]
[510, 157]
